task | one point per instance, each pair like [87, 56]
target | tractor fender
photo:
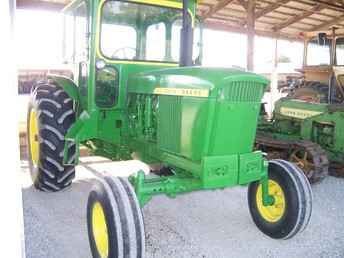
[67, 84]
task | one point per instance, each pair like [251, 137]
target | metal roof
[283, 18]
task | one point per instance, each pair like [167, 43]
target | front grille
[169, 123]
[242, 92]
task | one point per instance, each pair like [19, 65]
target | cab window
[118, 41]
[75, 47]
[156, 42]
[140, 32]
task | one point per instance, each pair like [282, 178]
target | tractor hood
[287, 108]
[194, 79]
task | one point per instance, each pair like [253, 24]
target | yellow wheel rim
[271, 213]
[33, 137]
[100, 232]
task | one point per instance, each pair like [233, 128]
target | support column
[250, 34]
[274, 81]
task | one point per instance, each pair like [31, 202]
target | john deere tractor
[307, 126]
[136, 93]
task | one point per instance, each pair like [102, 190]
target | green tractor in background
[307, 127]
[137, 94]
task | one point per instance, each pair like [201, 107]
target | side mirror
[322, 38]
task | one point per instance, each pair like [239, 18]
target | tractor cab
[106, 41]
[323, 69]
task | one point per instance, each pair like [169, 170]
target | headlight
[100, 64]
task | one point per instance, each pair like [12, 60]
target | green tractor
[307, 126]
[137, 94]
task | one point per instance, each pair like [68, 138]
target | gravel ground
[212, 224]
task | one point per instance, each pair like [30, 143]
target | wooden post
[250, 34]
[305, 52]
[274, 81]
[276, 54]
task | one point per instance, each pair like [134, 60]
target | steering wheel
[123, 53]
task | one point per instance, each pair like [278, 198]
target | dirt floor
[212, 224]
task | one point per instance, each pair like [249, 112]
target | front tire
[114, 220]
[50, 115]
[291, 211]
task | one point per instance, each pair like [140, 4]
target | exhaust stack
[186, 39]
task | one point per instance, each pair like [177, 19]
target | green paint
[68, 85]
[323, 124]
[206, 139]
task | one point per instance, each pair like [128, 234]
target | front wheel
[114, 220]
[292, 206]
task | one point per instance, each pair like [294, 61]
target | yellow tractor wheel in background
[50, 115]
[114, 220]
[292, 206]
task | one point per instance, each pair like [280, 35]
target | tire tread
[127, 218]
[49, 101]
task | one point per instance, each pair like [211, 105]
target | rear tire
[117, 230]
[50, 115]
[292, 208]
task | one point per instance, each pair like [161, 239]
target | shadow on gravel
[55, 223]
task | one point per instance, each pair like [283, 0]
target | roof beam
[270, 8]
[331, 4]
[326, 25]
[243, 3]
[299, 17]
[219, 5]
[221, 26]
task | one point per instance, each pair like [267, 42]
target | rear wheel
[307, 155]
[292, 206]
[50, 115]
[311, 159]
[114, 220]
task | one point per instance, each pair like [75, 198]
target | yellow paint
[182, 92]
[33, 137]
[298, 113]
[178, 5]
[171, 4]
[271, 213]
[99, 230]
[111, 61]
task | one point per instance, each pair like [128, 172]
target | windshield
[141, 32]
[318, 54]
[340, 51]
